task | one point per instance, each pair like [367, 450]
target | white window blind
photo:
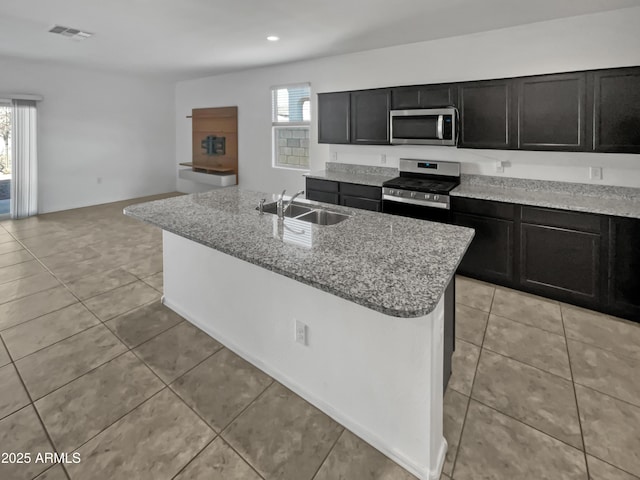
[291, 120]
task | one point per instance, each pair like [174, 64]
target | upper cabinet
[354, 117]
[552, 112]
[334, 117]
[370, 116]
[594, 110]
[485, 114]
[424, 96]
[616, 110]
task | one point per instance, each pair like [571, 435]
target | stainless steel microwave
[430, 126]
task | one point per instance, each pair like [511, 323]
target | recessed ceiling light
[273, 38]
[73, 33]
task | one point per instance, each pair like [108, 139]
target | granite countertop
[395, 265]
[579, 197]
[358, 174]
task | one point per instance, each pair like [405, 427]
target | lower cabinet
[322, 190]
[359, 202]
[560, 254]
[365, 197]
[624, 267]
[561, 262]
[578, 258]
[490, 256]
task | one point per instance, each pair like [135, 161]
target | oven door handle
[440, 131]
[422, 203]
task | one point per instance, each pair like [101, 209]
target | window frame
[277, 126]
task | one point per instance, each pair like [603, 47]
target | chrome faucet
[282, 209]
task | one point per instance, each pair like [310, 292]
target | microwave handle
[440, 131]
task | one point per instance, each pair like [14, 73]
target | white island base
[379, 376]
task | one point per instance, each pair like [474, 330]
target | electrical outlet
[383, 159]
[301, 332]
[595, 173]
[499, 167]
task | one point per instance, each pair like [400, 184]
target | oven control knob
[435, 197]
[413, 194]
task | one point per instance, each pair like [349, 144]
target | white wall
[97, 125]
[610, 39]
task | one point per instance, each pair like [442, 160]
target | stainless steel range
[421, 190]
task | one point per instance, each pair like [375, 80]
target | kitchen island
[349, 316]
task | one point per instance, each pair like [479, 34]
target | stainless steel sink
[323, 217]
[307, 213]
[293, 211]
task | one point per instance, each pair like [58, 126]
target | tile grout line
[575, 395]
[101, 323]
[466, 412]
[33, 407]
[344, 429]
[260, 395]
[217, 434]
[238, 453]
[63, 283]
[529, 325]
[182, 469]
[611, 352]
[165, 385]
[527, 364]
[155, 394]
[515, 419]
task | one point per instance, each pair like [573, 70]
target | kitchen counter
[358, 174]
[314, 306]
[397, 266]
[579, 197]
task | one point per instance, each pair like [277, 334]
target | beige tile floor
[91, 362]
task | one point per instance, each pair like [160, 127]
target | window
[291, 121]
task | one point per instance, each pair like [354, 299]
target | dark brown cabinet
[334, 117]
[365, 197]
[424, 96]
[579, 258]
[560, 254]
[353, 195]
[616, 110]
[593, 110]
[490, 256]
[551, 112]
[370, 116]
[486, 114]
[322, 190]
[624, 267]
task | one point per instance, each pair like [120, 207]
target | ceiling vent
[73, 33]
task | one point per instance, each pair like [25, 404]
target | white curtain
[24, 163]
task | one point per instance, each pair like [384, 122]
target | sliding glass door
[5, 158]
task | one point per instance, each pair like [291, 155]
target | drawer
[484, 208]
[326, 197]
[322, 185]
[585, 222]
[359, 202]
[364, 191]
